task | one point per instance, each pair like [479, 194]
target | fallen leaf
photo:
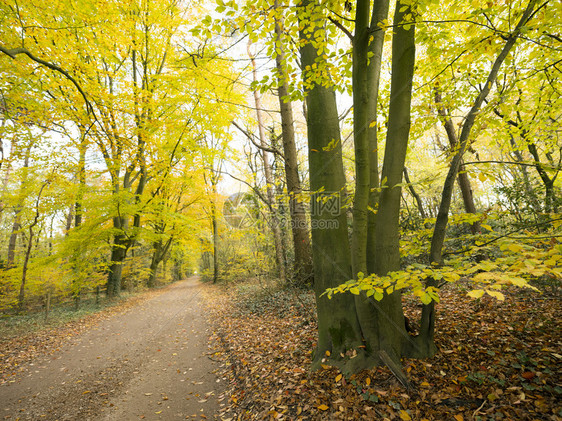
[404, 415]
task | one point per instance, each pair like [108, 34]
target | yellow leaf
[496, 294]
[458, 417]
[325, 366]
[372, 124]
[476, 293]
[328, 353]
[424, 384]
[368, 381]
[404, 415]
[514, 248]
[488, 227]
[323, 407]
[338, 377]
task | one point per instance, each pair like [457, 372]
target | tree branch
[12, 53]
[251, 138]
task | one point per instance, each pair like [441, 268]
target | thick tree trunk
[119, 249]
[338, 327]
[302, 270]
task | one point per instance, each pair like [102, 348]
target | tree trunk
[21, 295]
[391, 335]
[118, 254]
[302, 270]
[414, 194]
[462, 176]
[275, 228]
[16, 226]
[379, 15]
[427, 324]
[160, 251]
[215, 228]
[338, 327]
[361, 122]
[81, 182]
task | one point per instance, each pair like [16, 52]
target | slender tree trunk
[16, 226]
[69, 218]
[160, 251]
[361, 122]
[379, 15]
[270, 182]
[427, 325]
[392, 336]
[12, 242]
[531, 195]
[302, 270]
[462, 177]
[29, 246]
[414, 194]
[548, 182]
[81, 182]
[215, 227]
[78, 210]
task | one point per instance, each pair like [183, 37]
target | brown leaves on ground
[496, 361]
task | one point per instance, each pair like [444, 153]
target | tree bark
[338, 327]
[392, 336]
[462, 177]
[270, 182]
[302, 269]
[16, 226]
[414, 194]
[215, 228]
[21, 295]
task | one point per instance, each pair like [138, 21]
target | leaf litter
[496, 360]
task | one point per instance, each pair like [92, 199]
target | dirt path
[150, 362]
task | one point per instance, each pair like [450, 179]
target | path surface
[150, 362]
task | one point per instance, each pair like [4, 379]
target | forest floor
[149, 358]
[146, 358]
[496, 360]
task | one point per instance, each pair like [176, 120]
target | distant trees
[116, 107]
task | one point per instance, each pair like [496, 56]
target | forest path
[150, 362]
